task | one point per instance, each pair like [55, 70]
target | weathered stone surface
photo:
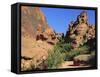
[36, 38]
[29, 64]
[80, 31]
[82, 59]
[33, 20]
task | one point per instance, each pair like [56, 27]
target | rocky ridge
[80, 31]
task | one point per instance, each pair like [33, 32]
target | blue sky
[59, 19]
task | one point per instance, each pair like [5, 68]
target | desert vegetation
[44, 48]
[63, 51]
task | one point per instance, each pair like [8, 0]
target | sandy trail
[69, 64]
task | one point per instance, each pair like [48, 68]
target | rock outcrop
[33, 21]
[80, 31]
[37, 37]
[84, 59]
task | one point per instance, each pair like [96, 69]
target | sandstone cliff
[80, 31]
[33, 20]
[36, 37]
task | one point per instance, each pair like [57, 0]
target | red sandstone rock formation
[36, 37]
[80, 31]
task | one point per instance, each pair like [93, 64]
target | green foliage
[71, 54]
[64, 51]
[63, 47]
[55, 58]
[74, 52]
[57, 54]
[84, 49]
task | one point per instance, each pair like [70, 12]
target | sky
[59, 18]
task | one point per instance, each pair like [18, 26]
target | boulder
[30, 63]
[82, 59]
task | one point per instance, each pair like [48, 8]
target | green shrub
[63, 47]
[71, 54]
[74, 52]
[63, 51]
[84, 49]
[55, 58]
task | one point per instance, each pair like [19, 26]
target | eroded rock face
[33, 20]
[80, 31]
[30, 64]
[36, 38]
[83, 59]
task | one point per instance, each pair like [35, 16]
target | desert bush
[55, 58]
[62, 46]
[57, 55]
[63, 51]
[71, 54]
[74, 52]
